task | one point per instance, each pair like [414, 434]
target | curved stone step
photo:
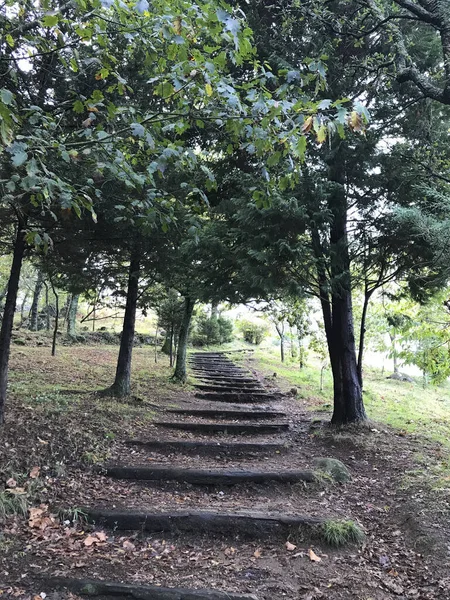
[209, 448]
[219, 477]
[252, 525]
[227, 413]
[111, 589]
[230, 428]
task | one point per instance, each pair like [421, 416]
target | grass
[54, 399]
[338, 533]
[407, 407]
[13, 504]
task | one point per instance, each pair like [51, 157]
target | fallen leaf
[101, 536]
[90, 540]
[313, 556]
[290, 547]
[34, 473]
[128, 545]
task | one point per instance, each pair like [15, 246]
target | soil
[53, 455]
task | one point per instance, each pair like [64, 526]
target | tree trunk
[280, 331]
[55, 328]
[8, 314]
[180, 366]
[72, 315]
[22, 307]
[348, 400]
[214, 310]
[171, 345]
[393, 337]
[362, 334]
[47, 308]
[33, 326]
[122, 383]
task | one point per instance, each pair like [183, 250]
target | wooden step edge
[207, 476]
[253, 524]
[245, 414]
[224, 427]
[94, 587]
[201, 447]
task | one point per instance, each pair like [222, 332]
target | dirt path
[215, 504]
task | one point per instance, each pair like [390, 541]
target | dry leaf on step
[313, 556]
[290, 547]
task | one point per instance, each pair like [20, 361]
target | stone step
[217, 477]
[209, 448]
[230, 388]
[111, 589]
[216, 369]
[255, 525]
[229, 428]
[226, 379]
[236, 397]
[228, 413]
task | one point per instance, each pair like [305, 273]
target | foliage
[212, 330]
[253, 332]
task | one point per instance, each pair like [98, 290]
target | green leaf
[19, 158]
[78, 107]
[6, 96]
[50, 20]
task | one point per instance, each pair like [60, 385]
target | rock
[334, 467]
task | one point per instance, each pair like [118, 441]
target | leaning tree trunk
[72, 315]
[348, 400]
[33, 326]
[180, 366]
[122, 383]
[8, 314]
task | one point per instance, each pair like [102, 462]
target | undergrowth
[338, 533]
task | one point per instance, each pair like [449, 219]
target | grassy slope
[407, 407]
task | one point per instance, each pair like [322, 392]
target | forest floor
[59, 431]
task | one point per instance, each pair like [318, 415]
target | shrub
[210, 331]
[253, 332]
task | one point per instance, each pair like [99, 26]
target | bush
[253, 332]
[210, 331]
[225, 330]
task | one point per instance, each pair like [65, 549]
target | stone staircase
[232, 416]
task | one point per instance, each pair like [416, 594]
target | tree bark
[8, 313]
[180, 366]
[33, 326]
[348, 400]
[72, 315]
[122, 383]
